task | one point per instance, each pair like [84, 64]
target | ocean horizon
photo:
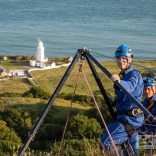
[65, 26]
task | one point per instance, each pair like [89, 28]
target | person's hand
[115, 78]
[150, 119]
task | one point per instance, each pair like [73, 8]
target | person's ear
[129, 59]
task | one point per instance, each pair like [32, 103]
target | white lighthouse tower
[40, 60]
[40, 51]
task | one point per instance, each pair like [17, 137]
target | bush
[76, 147]
[47, 134]
[21, 122]
[81, 126]
[37, 92]
[13, 118]
[77, 98]
[8, 138]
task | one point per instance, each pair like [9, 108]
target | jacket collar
[127, 70]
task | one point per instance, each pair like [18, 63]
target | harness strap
[148, 118]
[150, 105]
[121, 75]
[128, 128]
[133, 112]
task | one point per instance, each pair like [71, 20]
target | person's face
[123, 62]
[149, 91]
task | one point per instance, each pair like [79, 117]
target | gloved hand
[115, 77]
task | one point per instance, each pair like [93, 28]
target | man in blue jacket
[129, 116]
[150, 103]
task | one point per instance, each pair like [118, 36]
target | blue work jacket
[151, 124]
[132, 81]
[147, 102]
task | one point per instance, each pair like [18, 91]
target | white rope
[116, 151]
[67, 120]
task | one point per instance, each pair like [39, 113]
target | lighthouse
[40, 60]
[40, 52]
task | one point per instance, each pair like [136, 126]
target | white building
[40, 60]
[16, 73]
[32, 63]
[40, 52]
[5, 58]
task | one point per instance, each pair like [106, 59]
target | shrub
[81, 126]
[76, 147]
[20, 122]
[13, 118]
[8, 138]
[47, 134]
[37, 92]
[77, 98]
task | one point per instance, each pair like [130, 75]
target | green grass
[49, 79]
[57, 114]
[27, 102]
[13, 64]
[15, 86]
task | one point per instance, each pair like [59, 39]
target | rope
[149, 125]
[66, 123]
[116, 151]
[112, 58]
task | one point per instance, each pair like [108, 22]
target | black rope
[112, 58]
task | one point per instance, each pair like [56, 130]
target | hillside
[21, 106]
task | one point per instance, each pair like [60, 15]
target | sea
[67, 25]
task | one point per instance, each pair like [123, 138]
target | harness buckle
[136, 111]
[149, 119]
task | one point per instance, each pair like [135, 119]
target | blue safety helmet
[149, 81]
[123, 50]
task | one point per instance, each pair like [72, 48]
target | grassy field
[12, 64]
[49, 79]
[19, 102]
[15, 86]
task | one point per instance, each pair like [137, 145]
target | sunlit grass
[49, 79]
[14, 85]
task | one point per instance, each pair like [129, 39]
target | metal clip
[136, 112]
